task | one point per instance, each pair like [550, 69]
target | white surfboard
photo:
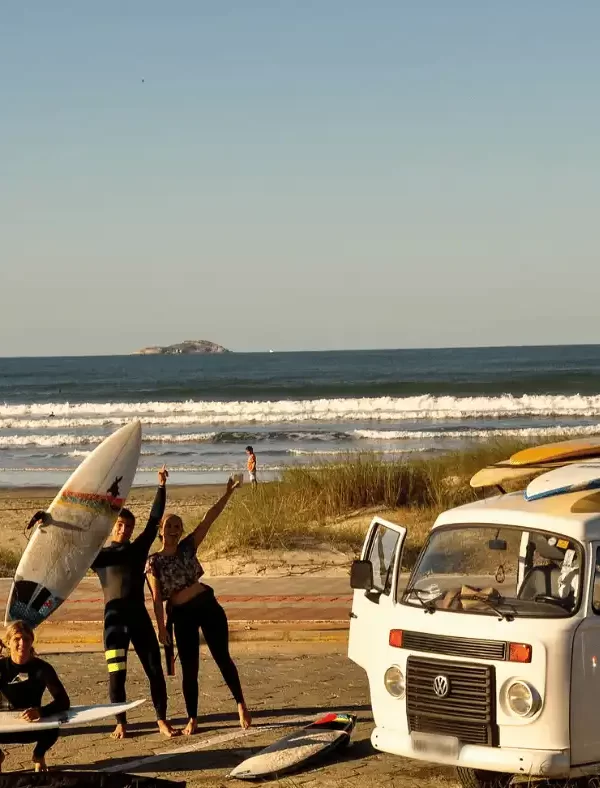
[571, 478]
[10, 721]
[298, 749]
[82, 515]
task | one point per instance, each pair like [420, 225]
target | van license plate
[433, 744]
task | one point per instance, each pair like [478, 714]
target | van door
[371, 617]
[585, 678]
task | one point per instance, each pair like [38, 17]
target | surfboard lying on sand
[81, 517]
[299, 749]
[76, 715]
[562, 450]
[570, 478]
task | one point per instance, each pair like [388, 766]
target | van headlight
[522, 699]
[394, 682]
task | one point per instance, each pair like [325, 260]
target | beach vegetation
[327, 503]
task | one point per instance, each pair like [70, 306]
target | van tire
[480, 778]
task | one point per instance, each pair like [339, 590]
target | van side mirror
[361, 575]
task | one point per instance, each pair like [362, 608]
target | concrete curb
[83, 637]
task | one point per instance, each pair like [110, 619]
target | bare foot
[2, 759]
[167, 729]
[120, 732]
[191, 727]
[245, 716]
[39, 765]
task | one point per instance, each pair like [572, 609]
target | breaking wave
[75, 440]
[191, 412]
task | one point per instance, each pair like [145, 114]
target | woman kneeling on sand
[174, 576]
[23, 680]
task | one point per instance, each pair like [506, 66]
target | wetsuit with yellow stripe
[120, 568]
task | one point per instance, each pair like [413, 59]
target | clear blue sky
[295, 175]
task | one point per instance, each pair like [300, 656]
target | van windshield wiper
[486, 601]
[428, 604]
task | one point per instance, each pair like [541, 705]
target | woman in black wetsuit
[174, 576]
[23, 681]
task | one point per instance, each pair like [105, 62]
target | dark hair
[125, 514]
[249, 448]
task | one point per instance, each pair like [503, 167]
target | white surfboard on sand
[571, 478]
[82, 515]
[10, 721]
[302, 748]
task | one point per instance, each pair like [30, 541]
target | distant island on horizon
[186, 348]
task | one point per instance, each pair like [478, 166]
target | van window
[382, 554]
[498, 570]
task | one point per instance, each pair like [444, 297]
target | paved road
[280, 683]
[244, 599]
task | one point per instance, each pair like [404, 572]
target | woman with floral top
[174, 577]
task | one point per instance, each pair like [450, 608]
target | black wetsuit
[22, 687]
[120, 568]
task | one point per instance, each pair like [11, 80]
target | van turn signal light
[396, 638]
[519, 652]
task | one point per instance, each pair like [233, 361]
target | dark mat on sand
[83, 780]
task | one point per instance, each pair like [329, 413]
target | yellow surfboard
[497, 474]
[577, 448]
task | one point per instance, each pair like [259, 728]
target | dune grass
[307, 503]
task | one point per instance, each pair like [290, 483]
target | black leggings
[205, 613]
[43, 739]
[123, 624]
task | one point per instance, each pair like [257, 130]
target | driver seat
[540, 580]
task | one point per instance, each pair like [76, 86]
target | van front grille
[463, 705]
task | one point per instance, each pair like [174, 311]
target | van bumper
[550, 763]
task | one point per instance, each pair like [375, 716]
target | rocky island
[187, 347]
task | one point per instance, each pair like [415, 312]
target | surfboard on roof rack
[576, 477]
[576, 448]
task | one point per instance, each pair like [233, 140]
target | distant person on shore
[251, 465]
[23, 680]
[174, 577]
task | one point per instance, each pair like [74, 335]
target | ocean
[199, 412]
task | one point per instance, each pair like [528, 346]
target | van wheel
[479, 778]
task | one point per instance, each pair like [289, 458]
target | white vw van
[487, 656]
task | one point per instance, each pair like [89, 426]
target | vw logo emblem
[441, 686]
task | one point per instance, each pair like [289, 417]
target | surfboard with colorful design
[77, 524]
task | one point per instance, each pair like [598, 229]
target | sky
[298, 175]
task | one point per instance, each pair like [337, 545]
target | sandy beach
[19, 504]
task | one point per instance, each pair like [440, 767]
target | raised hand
[163, 475]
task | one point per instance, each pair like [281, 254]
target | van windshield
[497, 571]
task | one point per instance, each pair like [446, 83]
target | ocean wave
[74, 439]
[522, 432]
[185, 468]
[68, 439]
[192, 412]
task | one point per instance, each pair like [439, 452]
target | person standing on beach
[120, 567]
[251, 465]
[174, 575]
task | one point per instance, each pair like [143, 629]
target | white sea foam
[67, 439]
[524, 432]
[89, 414]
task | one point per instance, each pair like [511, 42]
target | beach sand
[18, 505]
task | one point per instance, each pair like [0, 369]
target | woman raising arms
[174, 577]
